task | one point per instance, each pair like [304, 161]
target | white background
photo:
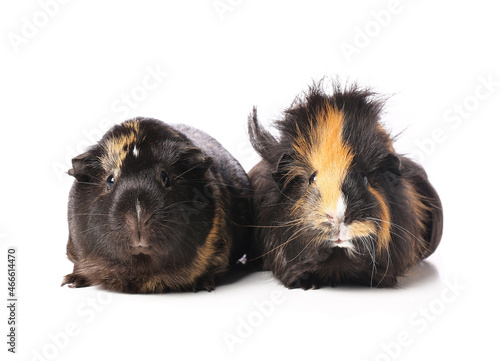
[64, 71]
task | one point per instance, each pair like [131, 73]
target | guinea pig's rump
[423, 189]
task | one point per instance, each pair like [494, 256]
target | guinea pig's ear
[206, 162]
[282, 169]
[81, 167]
[195, 161]
[262, 140]
[390, 166]
[391, 163]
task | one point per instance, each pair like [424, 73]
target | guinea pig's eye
[365, 178]
[312, 179]
[165, 179]
[110, 181]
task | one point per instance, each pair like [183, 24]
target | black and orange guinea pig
[334, 203]
[156, 208]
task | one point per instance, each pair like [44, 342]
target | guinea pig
[156, 208]
[334, 203]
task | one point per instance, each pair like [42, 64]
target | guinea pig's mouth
[342, 243]
[139, 249]
[338, 236]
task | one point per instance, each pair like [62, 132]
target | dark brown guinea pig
[156, 208]
[334, 202]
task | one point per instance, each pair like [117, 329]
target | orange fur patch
[421, 210]
[325, 151]
[207, 254]
[359, 229]
[116, 148]
[384, 232]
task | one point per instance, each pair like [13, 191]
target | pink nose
[333, 218]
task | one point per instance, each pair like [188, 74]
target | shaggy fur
[333, 150]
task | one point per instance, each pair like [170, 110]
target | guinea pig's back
[230, 169]
[232, 177]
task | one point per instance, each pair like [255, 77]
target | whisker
[89, 214]
[285, 224]
[94, 184]
[190, 169]
[372, 205]
[303, 249]
[222, 184]
[282, 244]
[400, 228]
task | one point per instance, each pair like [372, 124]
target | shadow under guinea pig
[235, 274]
[423, 272]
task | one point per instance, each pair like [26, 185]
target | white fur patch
[342, 237]
[341, 207]
[138, 210]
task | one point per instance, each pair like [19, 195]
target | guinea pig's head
[142, 195]
[335, 168]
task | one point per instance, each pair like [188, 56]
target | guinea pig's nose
[333, 218]
[138, 229]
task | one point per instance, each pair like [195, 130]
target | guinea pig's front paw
[305, 281]
[207, 284]
[75, 281]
